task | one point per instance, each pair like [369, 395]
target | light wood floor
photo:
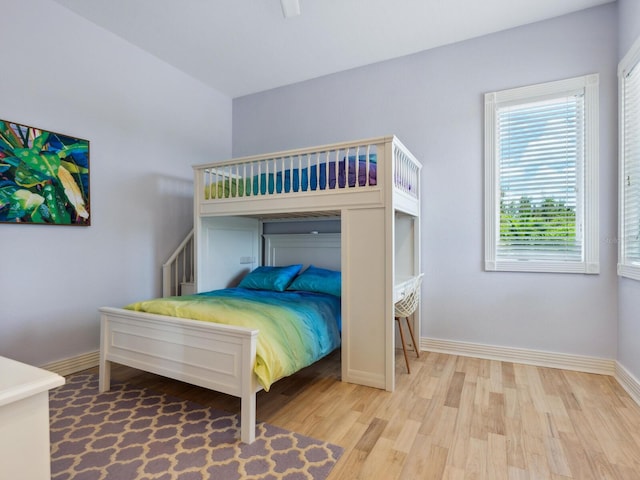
[452, 418]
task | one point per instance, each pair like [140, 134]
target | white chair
[404, 308]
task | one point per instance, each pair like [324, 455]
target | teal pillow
[319, 280]
[270, 278]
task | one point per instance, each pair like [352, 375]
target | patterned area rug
[132, 433]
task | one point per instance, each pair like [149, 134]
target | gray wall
[147, 124]
[433, 101]
[629, 290]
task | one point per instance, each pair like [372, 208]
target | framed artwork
[44, 177]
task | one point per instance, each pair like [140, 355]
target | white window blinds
[540, 154]
[541, 177]
[629, 252]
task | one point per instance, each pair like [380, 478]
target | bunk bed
[371, 186]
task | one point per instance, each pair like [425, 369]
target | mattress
[295, 328]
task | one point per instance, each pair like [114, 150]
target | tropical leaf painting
[44, 177]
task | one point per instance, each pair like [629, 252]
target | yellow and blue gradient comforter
[295, 328]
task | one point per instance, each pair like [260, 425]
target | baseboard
[74, 364]
[565, 361]
[628, 382]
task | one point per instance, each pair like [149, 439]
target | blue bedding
[295, 328]
[307, 178]
[314, 177]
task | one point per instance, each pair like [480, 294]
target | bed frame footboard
[210, 355]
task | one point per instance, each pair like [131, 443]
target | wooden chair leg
[404, 347]
[413, 339]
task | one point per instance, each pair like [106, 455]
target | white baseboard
[628, 382]
[565, 361]
[74, 364]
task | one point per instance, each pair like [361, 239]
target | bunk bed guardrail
[336, 168]
[406, 171]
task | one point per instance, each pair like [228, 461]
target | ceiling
[241, 47]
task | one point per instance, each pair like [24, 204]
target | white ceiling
[245, 46]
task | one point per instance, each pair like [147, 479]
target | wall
[433, 101]
[629, 290]
[147, 123]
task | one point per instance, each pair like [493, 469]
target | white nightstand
[24, 420]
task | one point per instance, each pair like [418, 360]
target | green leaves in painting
[44, 177]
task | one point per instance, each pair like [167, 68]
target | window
[629, 164]
[541, 177]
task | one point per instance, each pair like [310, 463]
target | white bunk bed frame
[378, 251]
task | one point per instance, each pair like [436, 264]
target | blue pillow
[270, 278]
[319, 280]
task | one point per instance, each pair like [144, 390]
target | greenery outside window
[629, 164]
[541, 182]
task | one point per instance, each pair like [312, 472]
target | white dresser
[24, 420]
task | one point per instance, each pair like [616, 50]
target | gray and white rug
[132, 433]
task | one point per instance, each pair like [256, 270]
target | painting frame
[44, 177]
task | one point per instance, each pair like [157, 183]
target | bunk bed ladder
[178, 271]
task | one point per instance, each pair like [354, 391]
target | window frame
[589, 85]
[626, 268]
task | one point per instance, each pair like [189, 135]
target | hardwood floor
[452, 418]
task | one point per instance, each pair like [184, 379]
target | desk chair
[404, 308]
